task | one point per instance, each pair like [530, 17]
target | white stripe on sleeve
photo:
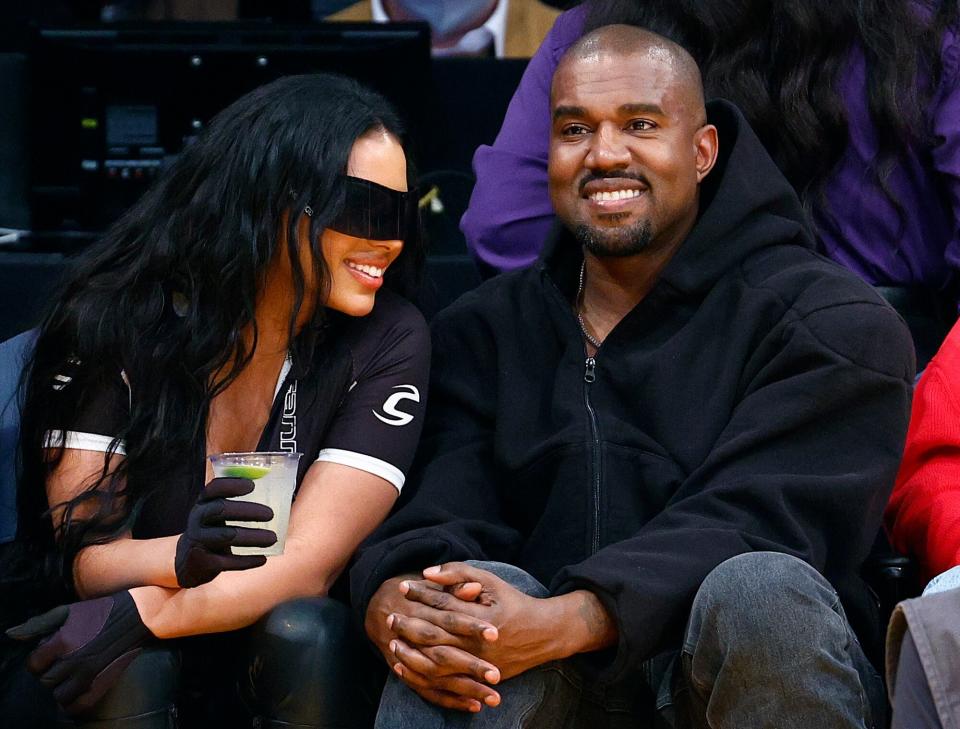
[377, 467]
[82, 441]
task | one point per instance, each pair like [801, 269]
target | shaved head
[629, 40]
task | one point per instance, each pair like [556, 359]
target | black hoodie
[756, 399]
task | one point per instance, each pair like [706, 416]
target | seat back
[13, 356]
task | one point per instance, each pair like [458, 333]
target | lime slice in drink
[251, 472]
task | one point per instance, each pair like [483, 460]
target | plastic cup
[274, 477]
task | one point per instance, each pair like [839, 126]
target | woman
[857, 102]
[235, 307]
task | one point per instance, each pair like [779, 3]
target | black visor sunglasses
[375, 212]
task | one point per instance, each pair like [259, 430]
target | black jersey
[359, 402]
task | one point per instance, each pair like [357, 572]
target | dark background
[50, 81]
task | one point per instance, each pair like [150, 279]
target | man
[682, 421]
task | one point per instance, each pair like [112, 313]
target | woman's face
[357, 265]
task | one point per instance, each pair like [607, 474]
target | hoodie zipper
[589, 377]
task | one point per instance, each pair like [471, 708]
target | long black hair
[780, 61]
[166, 296]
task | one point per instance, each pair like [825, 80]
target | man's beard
[615, 242]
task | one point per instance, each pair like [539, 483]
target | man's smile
[613, 188]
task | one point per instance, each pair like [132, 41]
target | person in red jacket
[923, 520]
[923, 516]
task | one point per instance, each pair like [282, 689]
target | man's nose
[607, 149]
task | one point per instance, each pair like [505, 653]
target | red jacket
[923, 516]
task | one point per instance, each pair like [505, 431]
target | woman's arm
[336, 508]
[101, 569]
[181, 560]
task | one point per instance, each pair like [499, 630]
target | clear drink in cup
[274, 477]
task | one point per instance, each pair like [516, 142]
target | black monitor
[112, 106]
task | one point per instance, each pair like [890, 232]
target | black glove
[203, 550]
[93, 642]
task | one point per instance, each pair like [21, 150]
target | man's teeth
[614, 195]
[369, 270]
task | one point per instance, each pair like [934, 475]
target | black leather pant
[305, 664]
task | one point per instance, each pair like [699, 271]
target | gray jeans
[767, 645]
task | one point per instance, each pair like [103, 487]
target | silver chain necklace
[583, 327]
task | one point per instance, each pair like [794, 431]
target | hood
[746, 204]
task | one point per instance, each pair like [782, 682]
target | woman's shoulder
[395, 323]
[392, 312]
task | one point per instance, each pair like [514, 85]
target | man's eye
[641, 125]
[574, 130]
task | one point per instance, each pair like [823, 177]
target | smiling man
[655, 461]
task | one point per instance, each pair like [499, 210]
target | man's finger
[454, 622]
[463, 688]
[467, 625]
[444, 661]
[450, 573]
[447, 700]
[458, 661]
[466, 591]
[40, 625]
[420, 632]
[426, 593]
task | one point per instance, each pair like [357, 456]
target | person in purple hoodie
[857, 102]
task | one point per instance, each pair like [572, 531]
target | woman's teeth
[369, 270]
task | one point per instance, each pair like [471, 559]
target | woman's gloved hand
[89, 645]
[203, 550]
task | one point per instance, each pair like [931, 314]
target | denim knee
[522, 580]
[768, 644]
[762, 598]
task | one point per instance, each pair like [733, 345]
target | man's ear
[707, 146]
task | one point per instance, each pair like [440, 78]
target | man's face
[626, 157]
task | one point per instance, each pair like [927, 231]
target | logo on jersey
[288, 422]
[392, 415]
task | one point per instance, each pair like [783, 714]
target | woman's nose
[391, 246]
